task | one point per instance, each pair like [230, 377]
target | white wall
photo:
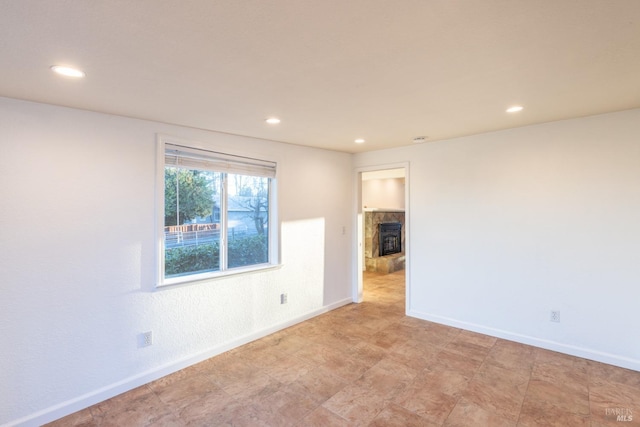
[383, 193]
[507, 226]
[77, 258]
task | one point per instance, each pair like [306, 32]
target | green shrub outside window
[217, 212]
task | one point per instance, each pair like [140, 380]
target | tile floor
[369, 364]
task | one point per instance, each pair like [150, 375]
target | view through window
[217, 212]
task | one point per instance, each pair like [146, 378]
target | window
[217, 214]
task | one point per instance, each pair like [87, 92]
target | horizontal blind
[194, 158]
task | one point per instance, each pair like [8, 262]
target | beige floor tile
[393, 335]
[478, 339]
[457, 362]
[614, 374]
[235, 413]
[368, 354]
[466, 414]
[511, 355]
[444, 380]
[540, 413]
[137, 408]
[285, 407]
[81, 418]
[370, 364]
[319, 384]
[544, 394]
[396, 416]
[415, 360]
[192, 410]
[609, 400]
[429, 403]
[287, 341]
[498, 390]
[183, 393]
[255, 385]
[387, 378]
[356, 403]
[287, 369]
[337, 361]
[467, 349]
[322, 417]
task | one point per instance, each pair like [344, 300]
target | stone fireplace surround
[373, 261]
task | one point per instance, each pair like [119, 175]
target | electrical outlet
[283, 298]
[555, 316]
[146, 339]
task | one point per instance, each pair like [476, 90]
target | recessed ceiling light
[515, 109]
[359, 141]
[273, 120]
[67, 71]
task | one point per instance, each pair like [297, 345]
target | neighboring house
[240, 215]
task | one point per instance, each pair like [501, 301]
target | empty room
[319, 213]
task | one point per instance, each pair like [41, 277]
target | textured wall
[77, 258]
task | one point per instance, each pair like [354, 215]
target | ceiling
[331, 70]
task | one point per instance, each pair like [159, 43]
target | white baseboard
[598, 356]
[84, 401]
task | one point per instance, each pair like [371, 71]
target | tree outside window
[197, 214]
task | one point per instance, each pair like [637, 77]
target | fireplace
[390, 238]
[387, 257]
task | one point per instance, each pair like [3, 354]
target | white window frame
[163, 142]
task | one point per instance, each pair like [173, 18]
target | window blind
[195, 158]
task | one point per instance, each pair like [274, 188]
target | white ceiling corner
[332, 70]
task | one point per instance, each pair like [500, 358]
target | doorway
[382, 197]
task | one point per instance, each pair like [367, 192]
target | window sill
[214, 275]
